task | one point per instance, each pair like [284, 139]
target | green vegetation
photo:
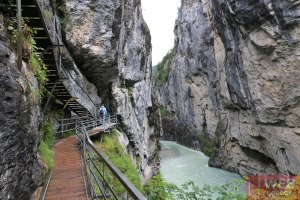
[163, 111]
[190, 190]
[10, 8]
[155, 189]
[120, 159]
[46, 154]
[62, 10]
[128, 87]
[162, 69]
[48, 138]
[130, 90]
[30, 50]
[47, 14]
[158, 189]
[145, 26]
[39, 68]
[67, 134]
[48, 133]
[207, 145]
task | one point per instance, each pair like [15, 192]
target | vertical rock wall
[236, 69]
[112, 46]
[20, 170]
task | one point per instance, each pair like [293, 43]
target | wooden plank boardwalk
[67, 181]
[100, 129]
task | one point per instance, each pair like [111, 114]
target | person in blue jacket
[103, 113]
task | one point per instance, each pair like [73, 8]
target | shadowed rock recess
[235, 75]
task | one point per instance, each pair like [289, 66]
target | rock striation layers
[235, 71]
[111, 44]
[20, 169]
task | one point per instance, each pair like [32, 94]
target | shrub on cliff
[46, 154]
[48, 132]
[207, 145]
[155, 189]
[164, 112]
[162, 69]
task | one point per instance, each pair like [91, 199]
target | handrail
[133, 191]
[46, 187]
[89, 150]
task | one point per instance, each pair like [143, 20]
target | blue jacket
[103, 110]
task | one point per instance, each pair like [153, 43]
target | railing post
[109, 123]
[20, 37]
[48, 100]
[84, 158]
[91, 167]
[76, 126]
[103, 172]
[62, 127]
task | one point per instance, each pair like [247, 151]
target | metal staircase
[40, 15]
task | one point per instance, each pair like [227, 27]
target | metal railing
[69, 124]
[100, 174]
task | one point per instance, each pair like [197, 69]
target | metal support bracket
[48, 100]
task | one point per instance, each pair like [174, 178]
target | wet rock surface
[20, 169]
[238, 62]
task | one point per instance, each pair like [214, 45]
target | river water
[180, 164]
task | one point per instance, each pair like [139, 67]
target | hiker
[103, 113]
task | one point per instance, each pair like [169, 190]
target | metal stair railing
[42, 17]
[53, 28]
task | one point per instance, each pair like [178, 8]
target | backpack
[101, 112]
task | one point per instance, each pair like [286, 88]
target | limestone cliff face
[236, 69]
[112, 46]
[20, 169]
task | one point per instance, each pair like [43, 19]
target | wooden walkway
[67, 181]
[100, 129]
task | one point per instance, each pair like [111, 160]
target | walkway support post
[20, 37]
[50, 95]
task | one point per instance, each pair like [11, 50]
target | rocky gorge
[108, 61]
[233, 76]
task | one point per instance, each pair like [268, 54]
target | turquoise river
[180, 164]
